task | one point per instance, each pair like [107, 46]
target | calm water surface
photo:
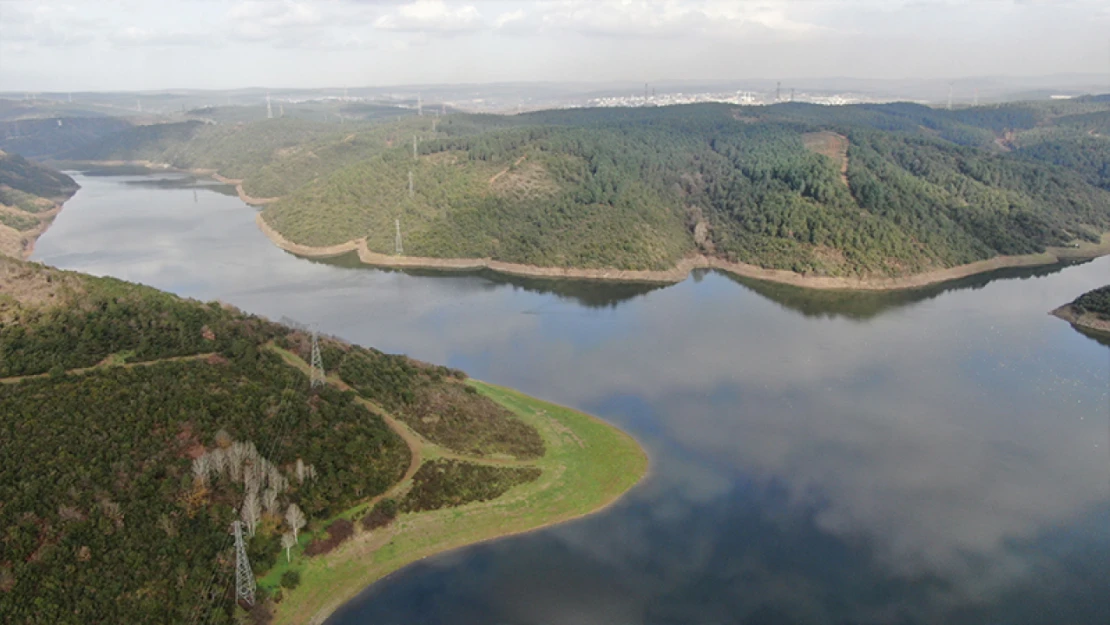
[932, 457]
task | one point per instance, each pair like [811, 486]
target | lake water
[940, 456]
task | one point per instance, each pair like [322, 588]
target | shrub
[290, 579]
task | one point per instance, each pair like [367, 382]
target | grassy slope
[588, 465]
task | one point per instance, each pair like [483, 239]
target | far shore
[682, 269]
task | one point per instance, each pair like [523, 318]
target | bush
[337, 533]
[290, 579]
[381, 516]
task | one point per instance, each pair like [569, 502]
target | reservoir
[934, 456]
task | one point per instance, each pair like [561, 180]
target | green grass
[588, 465]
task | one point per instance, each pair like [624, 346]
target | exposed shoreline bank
[1087, 321]
[683, 268]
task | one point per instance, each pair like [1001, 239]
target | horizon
[139, 46]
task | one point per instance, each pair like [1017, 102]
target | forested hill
[861, 190]
[869, 190]
[29, 194]
[136, 426]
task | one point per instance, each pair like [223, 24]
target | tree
[288, 540]
[251, 512]
[290, 579]
[295, 518]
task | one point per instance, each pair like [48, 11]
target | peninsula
[118, 509]
[1090, 312]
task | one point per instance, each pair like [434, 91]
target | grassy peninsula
[1089, 312]
[137, 426]
[31, 195]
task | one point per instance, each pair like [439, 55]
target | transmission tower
[269, 108]
[318, 378]
[412, 191]
[419, 105]
[244, 577]
[400, 248]
[414, 156]
[950, 96]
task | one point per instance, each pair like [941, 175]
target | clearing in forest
[832, 145]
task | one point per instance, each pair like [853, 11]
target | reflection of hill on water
[184, 182]
[863, 305]
[858, 305]
[588, 293]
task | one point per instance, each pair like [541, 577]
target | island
[138, 426]
[1089, 312]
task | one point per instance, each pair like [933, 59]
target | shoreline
[1085, 321]
[682, 269]
[166, 167]
[590, 466]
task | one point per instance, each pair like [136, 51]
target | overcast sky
[153, 44]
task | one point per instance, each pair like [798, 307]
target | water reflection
[591, 294]
[937, 458]
[868, 304]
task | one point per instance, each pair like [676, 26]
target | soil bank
[682, 269]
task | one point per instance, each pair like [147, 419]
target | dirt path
[107, 365]
[506, 170]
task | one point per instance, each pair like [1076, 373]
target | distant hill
[29, 196]
[46, 138]
[138, 425]
[916, 188]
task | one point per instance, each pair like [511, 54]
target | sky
[70, 45]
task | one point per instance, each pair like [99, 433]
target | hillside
[1089, 312]
[137, 426]
[30, 197]
[867, 191]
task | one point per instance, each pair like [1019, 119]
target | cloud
[135, 36]
[431, 16]
[668, 18]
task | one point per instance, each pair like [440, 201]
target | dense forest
[137, 426]
[911, 189]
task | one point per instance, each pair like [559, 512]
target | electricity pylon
[244, 577]
[400, 248]
[318, 377]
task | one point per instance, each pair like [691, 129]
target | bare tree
[202, 466]
[300, 471]
[251, 512]
[270, 500]
[288, 540]
[295, 518]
